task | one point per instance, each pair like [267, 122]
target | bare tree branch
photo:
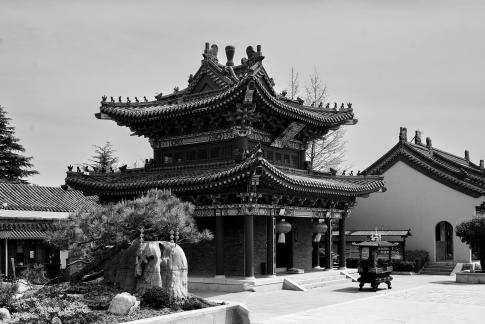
[293, 84]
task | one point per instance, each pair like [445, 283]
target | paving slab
[413, 299]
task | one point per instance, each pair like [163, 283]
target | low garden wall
[470, 277]
[231, 313]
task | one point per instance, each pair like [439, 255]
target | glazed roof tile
[39, 198]
[451, 170]
[231, 90]
[220, 176]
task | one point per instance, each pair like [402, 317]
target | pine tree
[103, 158]
[13, 166]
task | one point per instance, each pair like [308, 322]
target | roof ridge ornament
[417, 138]
[230, 51]
[210, 52]
[403, 134]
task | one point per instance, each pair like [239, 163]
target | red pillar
[249, 246]
[328, 245]
[219, 246]
[270, 246]
[341, 243]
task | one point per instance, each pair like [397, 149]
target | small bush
[352, 262]
[157, 298]
[418, 257]
[35, 274]
[405, 266]
[7, 291]
[36, 310]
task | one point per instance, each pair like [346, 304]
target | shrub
[352, 262]
[157, 298]
[35, 273]
[36, 310]
[7, 291]
[405, 266]
[195, 302]
[418, 257]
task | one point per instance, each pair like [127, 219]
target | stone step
[326, 283]
[440, 264]
[440, 268]
[432, 272]
[319, 279]
[433, 266]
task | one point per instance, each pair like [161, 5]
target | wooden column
[219, 246]
[6, 258]
[270, 246]
[342, 241]
[328, 245]
[316, 254]
[249, 246]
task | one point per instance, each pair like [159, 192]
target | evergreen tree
[103, 158]
[106, 229]
[13, 166]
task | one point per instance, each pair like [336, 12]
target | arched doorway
[444, 241]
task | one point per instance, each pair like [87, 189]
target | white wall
[416, 201]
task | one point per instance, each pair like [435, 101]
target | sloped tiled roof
[451, 170]
[40, 198]
[23, 231]
[221, 176]
[232, 89]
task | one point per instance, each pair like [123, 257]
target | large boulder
[173, 269]
[123, 304]
[120, 268]
[162, 264]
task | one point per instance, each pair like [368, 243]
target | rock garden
[125, 263]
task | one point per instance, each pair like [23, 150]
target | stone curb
[224, 314]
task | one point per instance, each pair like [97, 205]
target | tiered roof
[215, 88]
[454, 171]
[213, 176]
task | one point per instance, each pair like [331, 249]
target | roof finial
[481, 164]
[467, 155]
[428, 143]
[403, 134]
[230, 50]
[417, 138]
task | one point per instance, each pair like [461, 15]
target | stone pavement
[413, 299]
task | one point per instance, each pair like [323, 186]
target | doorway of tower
[444, 241]
[284, 251]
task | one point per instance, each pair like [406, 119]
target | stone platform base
[235, 284]
[470, 277]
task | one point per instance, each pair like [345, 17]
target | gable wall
[414, 200]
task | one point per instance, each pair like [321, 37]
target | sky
[418, 64]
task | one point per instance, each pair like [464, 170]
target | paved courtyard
[413, 299]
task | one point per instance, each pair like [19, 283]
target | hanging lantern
[282, 227]
[319, 229]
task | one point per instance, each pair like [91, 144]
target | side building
[27, 213]
[235, 148]
[429, 191]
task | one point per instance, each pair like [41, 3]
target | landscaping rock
[134, 308]
[4, 314]
[56, 320]
[173, 270]
[165, 266]
[120, 268]
[122, 303]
